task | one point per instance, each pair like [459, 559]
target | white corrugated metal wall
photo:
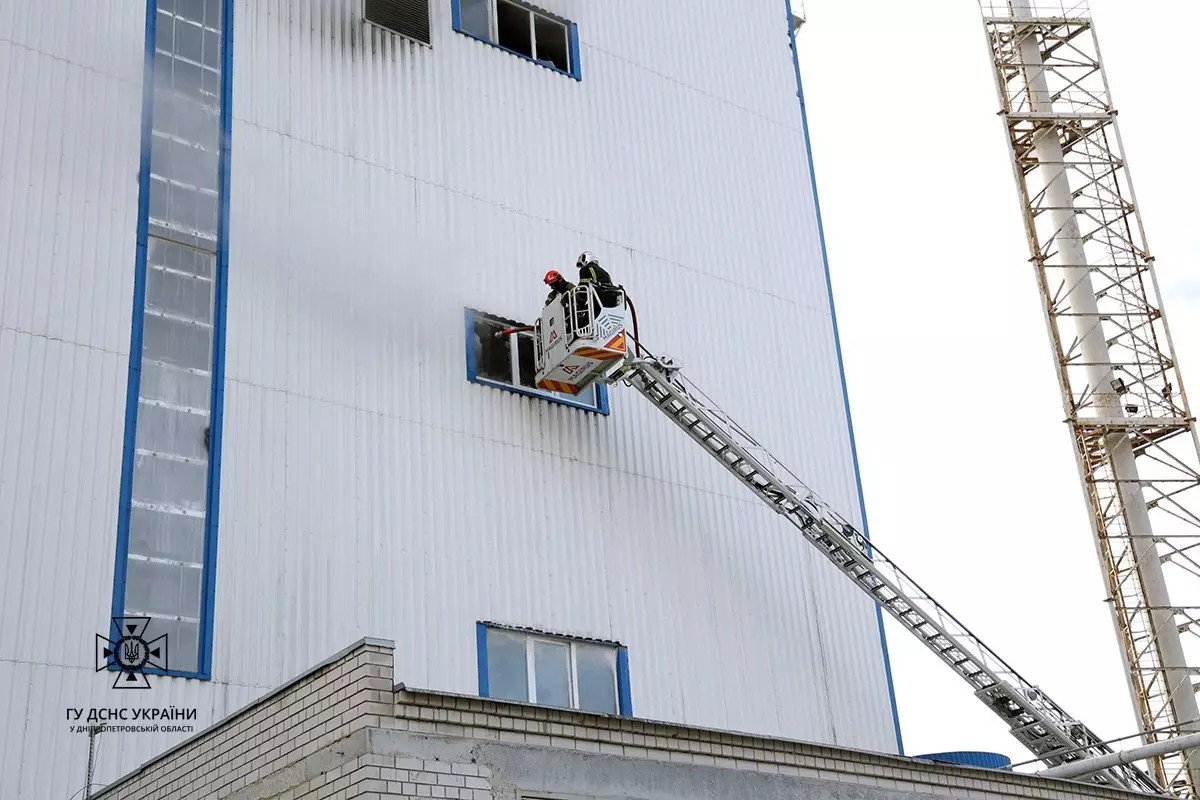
[378, 187]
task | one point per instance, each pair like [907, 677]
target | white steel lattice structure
[1133, 430]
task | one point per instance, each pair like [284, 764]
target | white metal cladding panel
[41, 760]
[70, 87]
[468, 117]
[378, 188]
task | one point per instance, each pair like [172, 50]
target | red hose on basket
[637, 339]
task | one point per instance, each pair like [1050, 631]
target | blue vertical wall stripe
[837, 341]
[220, 293]
[456, 14]
[134, 381]
[624, 698]
[481, 656]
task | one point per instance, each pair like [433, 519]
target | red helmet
[552, 277]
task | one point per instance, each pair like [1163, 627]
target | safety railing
[581, 308]
[1040, 9]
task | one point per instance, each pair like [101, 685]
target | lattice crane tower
[1134, 433]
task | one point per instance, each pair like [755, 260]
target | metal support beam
[1076, 769]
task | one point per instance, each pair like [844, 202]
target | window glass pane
[179, 118]
[174, 341]
[161, 429]
[178, 293]
[180, 160]
[552, 673]
[156, 587]
[507, 679]
[493, 354]
[512, 27]
[163, 534]
[169, 483]
[183, 78]
[183, 643]
[597, 678]
[189, 40]
[212, 49]
[476, 17]
[198, 11]
[174, 385]
[588, 396]
[552, 45]
[168, 255]
[164, 30]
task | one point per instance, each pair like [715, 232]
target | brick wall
[343, 731]
[386, 777]
[346, 693]
[422, 712]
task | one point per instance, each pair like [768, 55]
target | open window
[553, 670]
[506, 360]
[522, 30]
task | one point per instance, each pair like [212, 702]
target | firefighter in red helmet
[559, 286]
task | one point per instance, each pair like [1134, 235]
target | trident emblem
[131, 652]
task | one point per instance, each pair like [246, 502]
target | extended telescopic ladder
[1033, 718]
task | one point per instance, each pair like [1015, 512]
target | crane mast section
[1132, 429]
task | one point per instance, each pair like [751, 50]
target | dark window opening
[552, 45]
[526, 360]
[493, 353]
[512, 28]
[509, 362]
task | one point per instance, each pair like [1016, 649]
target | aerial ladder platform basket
[579, 337]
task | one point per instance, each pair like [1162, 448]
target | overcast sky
[968, 470]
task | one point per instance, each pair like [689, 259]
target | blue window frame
[550, 669]
[171, 461]
[523, 30]
[506, 362]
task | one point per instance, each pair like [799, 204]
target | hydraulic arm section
[1033, 718]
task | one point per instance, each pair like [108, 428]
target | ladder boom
[1033, 718]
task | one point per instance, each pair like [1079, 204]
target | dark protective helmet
[552, 277]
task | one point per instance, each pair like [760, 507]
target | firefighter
[559, 286]
[592, 274]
